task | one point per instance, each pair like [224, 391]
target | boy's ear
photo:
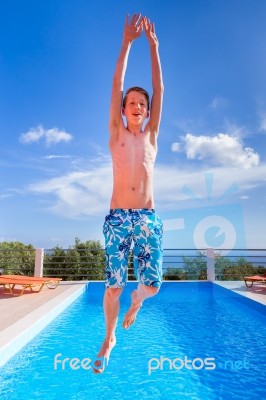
[148, 114]
[123, 111]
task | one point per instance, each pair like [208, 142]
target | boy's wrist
[154, 45]
[127, 41]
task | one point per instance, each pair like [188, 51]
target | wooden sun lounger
[255, 279]
[33, 283]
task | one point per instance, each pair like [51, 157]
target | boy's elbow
[117, 83]
[158, 88]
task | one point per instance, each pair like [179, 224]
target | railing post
[210, 265]
[38, 269]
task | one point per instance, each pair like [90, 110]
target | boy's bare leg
[111, 305]
[137, 297]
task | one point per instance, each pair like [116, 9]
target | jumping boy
[132, 216]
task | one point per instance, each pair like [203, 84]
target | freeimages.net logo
[211, 225]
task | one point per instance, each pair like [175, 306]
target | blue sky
[56, 64]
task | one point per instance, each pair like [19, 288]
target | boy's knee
[151, 290]
[154, 290]
[113, 293]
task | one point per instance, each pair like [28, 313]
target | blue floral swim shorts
[144, 228]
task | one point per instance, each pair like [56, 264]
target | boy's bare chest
[130, 148]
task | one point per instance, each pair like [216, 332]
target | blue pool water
[185, 321]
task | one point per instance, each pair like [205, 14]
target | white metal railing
[172, 259]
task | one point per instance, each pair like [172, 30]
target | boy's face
[136, 108]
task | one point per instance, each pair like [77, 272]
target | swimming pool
[191, 341]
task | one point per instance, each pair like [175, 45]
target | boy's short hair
[136, 89]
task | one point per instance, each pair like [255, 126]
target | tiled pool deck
[23, 317]
[257, 292]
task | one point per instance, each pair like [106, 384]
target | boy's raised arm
[157, 79]
[132, 30]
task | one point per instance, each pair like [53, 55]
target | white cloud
[51, 157]
[222, 149]
[218, 102]
[235, 130]
[87, 193]
[262, 127]
[50, 136]
[175, 147]
[78, 193]
[5, 196]
[170, 180]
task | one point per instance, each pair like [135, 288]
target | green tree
[174, 274]
[17, 258]
[92, 259]
[240, 268]
[55, 263]
[82, 261]
[221, 264]
[196, 267]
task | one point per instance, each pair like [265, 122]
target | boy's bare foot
[102, 359]
[133, 310]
